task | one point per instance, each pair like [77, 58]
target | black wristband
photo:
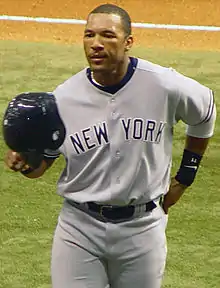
[188, 168]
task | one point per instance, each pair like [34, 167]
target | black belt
[115, 212]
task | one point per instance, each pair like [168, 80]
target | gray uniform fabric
[90, 253]
[118, 151]
[119, 147]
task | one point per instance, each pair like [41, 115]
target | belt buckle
[103, 208]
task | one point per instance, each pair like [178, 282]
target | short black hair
[114, 9]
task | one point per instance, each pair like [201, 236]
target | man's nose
[97, 44]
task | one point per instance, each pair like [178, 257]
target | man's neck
[111, 78]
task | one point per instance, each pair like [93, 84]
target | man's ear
[129, 43]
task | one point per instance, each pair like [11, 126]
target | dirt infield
[189, 12]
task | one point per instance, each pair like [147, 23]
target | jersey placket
[115, 153]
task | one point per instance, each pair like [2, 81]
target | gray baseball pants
[89, 253]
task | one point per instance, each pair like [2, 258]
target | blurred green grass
[29, 208]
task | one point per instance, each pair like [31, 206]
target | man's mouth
[97, 59]
[97, 56]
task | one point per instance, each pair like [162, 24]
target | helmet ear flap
[32, 123]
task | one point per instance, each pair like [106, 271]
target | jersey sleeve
[195, 107]
[48, 153]
[51, 154]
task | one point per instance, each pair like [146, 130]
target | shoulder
[169, 78]
[160, 76]
[150, 67]
[71, 84]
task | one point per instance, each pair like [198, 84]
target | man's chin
[99, 69]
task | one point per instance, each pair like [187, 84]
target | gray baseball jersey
[118, 146]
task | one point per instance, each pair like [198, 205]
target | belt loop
[139, 209]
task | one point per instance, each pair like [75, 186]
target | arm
[176, 190]
[16, 163]
[196, 145]
[196, 108]
[36, 173]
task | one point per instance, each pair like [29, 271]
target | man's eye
[88, 35]
[109, 36]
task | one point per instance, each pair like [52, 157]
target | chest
[95, 118]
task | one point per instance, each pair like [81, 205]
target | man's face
[105, 42]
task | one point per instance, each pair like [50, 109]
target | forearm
[185, 175]
[38, 172]
[196, 145]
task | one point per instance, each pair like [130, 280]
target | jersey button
[114, 114]
[118, 180]
[117, 154]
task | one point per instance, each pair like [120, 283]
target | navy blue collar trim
[115, 88]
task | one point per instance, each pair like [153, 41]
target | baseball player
[119, 115]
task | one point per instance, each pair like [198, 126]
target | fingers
[173, 195]
[165, 209]
[14, 161]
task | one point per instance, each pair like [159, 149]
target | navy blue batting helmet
[32, 123]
